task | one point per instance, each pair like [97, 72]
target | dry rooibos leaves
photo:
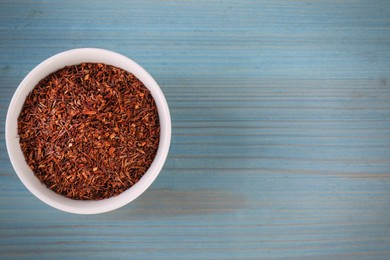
[89, 131]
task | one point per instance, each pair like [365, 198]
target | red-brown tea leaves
[89, 131]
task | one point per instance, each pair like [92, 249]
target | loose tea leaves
[89, 131]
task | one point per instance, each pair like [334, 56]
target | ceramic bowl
[26, 175]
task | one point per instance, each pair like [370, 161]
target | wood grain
[281, 129]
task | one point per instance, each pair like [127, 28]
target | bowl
[26, 175]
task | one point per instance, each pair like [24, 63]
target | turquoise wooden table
[281, 129]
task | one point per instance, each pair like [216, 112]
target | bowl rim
[51, 65]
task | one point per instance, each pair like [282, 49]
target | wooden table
[281, 129]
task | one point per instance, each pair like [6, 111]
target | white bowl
[26, 175]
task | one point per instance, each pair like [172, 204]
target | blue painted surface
[281, 128]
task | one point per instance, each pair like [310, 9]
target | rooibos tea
[89, 131]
